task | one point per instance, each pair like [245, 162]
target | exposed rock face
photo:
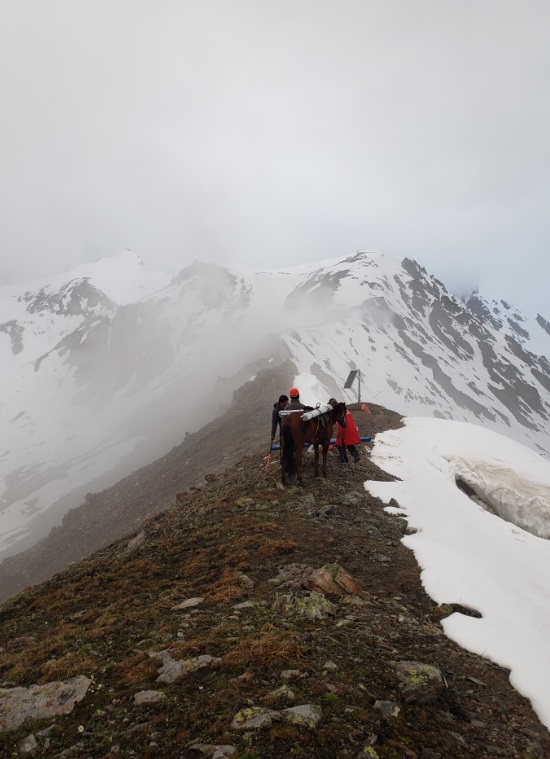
[19, 705]
[332, 580]
[14, 330]
[312, 605]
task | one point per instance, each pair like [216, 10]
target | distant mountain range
[108, 366]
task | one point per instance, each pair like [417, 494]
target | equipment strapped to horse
[317, 411]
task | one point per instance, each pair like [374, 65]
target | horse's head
[339, 412]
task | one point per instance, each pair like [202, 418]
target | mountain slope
[98, 384]
[222, 577]
[110, 513]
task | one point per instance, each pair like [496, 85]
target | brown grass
[272, 648]
[227, 588]
[263, 546]
[135, 670]
[266, 527]
[277, 547]
[72, 664]
[187, 648]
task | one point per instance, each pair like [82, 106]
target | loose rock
[19, 705]
[148, 697]
[311, 605]
[420, 683]
[254, 718]
[308, 715]
[28, 744]
[172, 669]
[189, 603]
[332, 579]
[387, 709]
[213, 752]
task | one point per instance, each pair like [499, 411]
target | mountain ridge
[215, 629]
[113, 369]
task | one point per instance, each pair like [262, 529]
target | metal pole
[359, 387]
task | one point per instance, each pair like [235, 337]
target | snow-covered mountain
[106, 367]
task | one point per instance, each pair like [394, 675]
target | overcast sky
[262, 134]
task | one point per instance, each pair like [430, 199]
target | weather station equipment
[353, 375]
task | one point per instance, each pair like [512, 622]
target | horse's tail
[288, 451]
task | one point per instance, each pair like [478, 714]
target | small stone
[344, 623]
[245, 605]
[172, 669]
[213, 752]
[245, 581]
[536, 730]
[284, 693]
[28, 744]
[245, 502]
[136, 542]
[290, 674]
[308, 715]
[475, 681]
[357, 600]
[189, 603]
[329, 665]
[458, 738]
[254, 718]
[368, 752]
[387, 709]
[535, 750]
[420, 683]
[148, 697]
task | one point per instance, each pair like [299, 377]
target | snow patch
[469, 556]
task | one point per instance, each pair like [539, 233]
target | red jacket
[349, 433]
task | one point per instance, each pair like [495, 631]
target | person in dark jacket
[275, 418]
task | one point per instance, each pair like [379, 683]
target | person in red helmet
[295, 403]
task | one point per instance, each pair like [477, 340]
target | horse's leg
[316, 459]
[325, 451]
[298, 452]
[286, 453]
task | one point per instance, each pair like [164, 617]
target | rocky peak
[75, 298]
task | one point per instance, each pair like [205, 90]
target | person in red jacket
[347, 438]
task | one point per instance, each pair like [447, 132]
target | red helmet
[294, 392]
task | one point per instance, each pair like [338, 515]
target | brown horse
[318, 431]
